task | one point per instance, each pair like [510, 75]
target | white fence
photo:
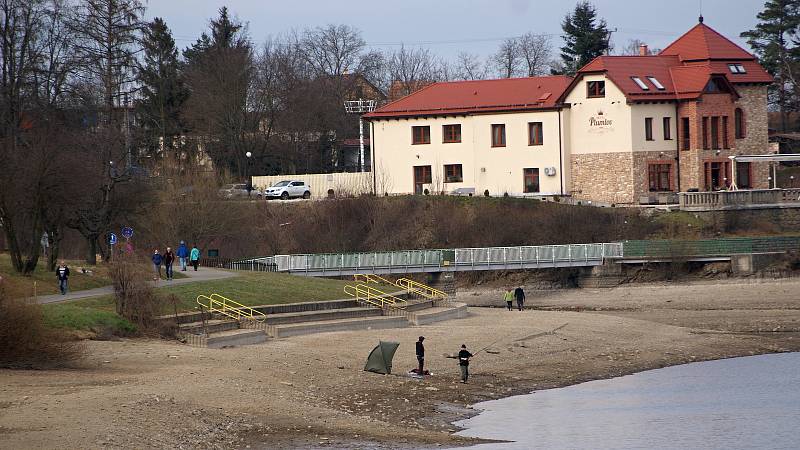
[342, 183]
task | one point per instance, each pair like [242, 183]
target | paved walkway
[202, 274]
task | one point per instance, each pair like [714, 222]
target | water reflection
[751, 402]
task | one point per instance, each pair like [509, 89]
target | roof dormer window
[640, 83]
[737, 68]
[656, 83]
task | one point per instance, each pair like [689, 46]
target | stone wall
[603, 177]
[753, 102]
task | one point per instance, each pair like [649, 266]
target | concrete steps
[227, 338]
[317, 316]
[211, 326]
[438, 314]
[360, 323]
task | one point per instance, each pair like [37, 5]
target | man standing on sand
[157, 259]
[421, 355]
[509, 298]
[194, 257]
[463, 362]
[62, 272]
[519, 294]
[183, 255]
[169, 259]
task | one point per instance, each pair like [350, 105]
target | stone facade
[603, 177]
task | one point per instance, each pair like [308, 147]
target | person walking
[519, 294]
[169, 259]
[509, 298]
[157, 259]
[62, 272]
[194, 257]
[463, 362]
[183, 255]
[421, 355]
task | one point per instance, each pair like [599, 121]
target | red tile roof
[683, 68]
[703, 43]
[467, 97]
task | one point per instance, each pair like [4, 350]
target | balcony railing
[742, 199]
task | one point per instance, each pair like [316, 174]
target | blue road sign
[112, 239]
[127, 232]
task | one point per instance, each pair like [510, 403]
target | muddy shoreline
[311, 391]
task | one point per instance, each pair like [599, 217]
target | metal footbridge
[515, 258]
[443, 260]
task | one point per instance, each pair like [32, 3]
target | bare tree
[468, 66]
[508, 59]
[412, 68]
[333, 50]
[108, 33]
[535, 50]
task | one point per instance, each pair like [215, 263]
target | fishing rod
[524, 338]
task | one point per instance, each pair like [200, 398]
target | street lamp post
[246, 173]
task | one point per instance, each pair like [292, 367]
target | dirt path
[203, 274]
[310, 391]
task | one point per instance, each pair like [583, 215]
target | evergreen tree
[219, 70]
[163, 90]
[585, 38]
[774, 41]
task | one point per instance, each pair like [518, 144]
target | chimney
[643, 50]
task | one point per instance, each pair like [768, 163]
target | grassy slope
[45, 281]
[249, 288]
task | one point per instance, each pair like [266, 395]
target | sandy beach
[310, 391]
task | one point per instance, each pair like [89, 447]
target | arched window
[738, 121]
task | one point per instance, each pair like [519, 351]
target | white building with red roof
[623, 130]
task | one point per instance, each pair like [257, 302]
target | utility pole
[360, 107]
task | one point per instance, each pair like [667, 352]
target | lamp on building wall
[791, 180]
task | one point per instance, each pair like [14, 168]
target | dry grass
[26, 342]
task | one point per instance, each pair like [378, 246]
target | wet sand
[311, 392]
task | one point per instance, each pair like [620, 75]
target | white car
[288, 189]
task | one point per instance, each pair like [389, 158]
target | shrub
[134, 297]
[27, 343]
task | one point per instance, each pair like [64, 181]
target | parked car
[237, 190]
[288, 189]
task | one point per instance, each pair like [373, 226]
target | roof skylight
[737, 68]
[656, 83]
[640, 83]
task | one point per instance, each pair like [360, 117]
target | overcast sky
[448, 27]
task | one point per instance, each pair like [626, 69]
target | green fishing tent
[380, 358]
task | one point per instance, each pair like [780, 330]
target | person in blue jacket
[157, 258]
[183, 255]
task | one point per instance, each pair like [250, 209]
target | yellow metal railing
[373, 296]
[421, 289]
[217, 303]
[371, 278]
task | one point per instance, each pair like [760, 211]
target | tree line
[95, 101]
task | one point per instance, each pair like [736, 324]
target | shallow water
[739, 403]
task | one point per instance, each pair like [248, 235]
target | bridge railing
[440, 258]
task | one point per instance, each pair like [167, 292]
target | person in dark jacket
[519, 294]
[157, 259]
[463, 362]
[169, 259]
[183, 255]
[421, 355]
[62, 272]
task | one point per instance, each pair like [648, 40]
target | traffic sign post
[127, 232]
[112, 240]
